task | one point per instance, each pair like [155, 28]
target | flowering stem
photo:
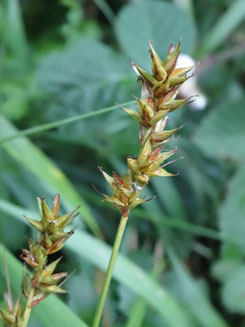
[109, 271]
[28, 308]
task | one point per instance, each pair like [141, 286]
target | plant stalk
[116, 246]
[28, 308]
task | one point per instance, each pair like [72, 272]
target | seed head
[158, 99]
[51, 226]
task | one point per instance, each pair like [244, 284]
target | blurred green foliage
[63, 59]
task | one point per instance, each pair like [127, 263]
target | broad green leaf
[52, 311]
[162, 23]
[224, 268]
[93, 76]
[230, 269]
[224, 26]
[196, 299]
[233, 291]
[85, 58]
[232, 214]
[222, 132]
[187, 5]
[35, 161]
[98, 253]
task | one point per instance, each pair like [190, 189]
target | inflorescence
[158, 98]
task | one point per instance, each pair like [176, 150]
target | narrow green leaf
[224, 27]
[14, 34]
[106, 10]
[49, 311]
[197, 301]
[138, 311]
[33, 159]
[170, 197]
[98, 253]
[60, 122]
[137, 314]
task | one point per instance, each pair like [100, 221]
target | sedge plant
[158, 98]
[43, 281]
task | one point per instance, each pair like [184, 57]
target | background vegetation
[65, 60]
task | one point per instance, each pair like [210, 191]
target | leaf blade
[199, 304]
[60, 122]
[31, 157]
[224, 26]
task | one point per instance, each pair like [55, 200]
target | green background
[61, 64]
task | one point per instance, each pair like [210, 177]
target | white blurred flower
[190, 87]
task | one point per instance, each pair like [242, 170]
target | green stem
[108, 276]
[28, 308]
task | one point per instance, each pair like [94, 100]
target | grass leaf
[197, 301]
[224, 26]
[60, 122]
[36, 162]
